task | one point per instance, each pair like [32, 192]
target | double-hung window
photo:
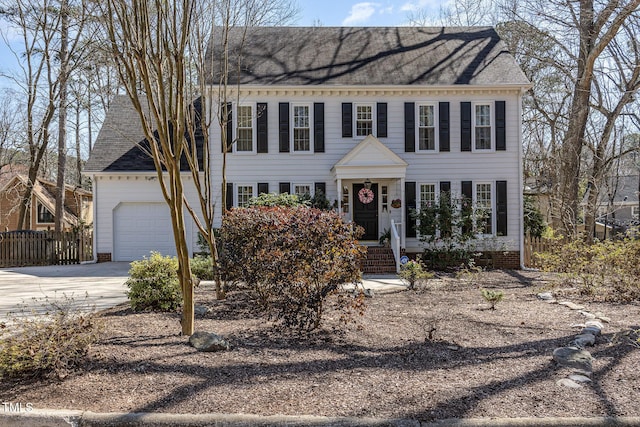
[482, 127]
[302, 190]
[244, 194]
[244, 129]
[484, 208]
[634, 212]
[364, 120]
[426, 128]
[427, 194]
[301, 128]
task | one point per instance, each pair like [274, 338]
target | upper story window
[244, 129]
[364, 120]
[426, 127]
[482, 124]
[484, 208]
[301, 128]
[244, 194]
[44, 215]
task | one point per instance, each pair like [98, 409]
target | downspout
[94, 191]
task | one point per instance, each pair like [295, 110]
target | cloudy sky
[363, 13]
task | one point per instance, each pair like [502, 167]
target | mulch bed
[428, 354]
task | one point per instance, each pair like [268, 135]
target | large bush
[292, 258]
[153, 284]
[609, 269]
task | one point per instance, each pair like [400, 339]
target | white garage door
[140, 228]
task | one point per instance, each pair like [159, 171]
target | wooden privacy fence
[533, 245]
[24, 248]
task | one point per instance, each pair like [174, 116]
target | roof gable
[369, 56]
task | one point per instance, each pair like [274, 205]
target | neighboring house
[618, 206]
[408, 112]
[78, 204]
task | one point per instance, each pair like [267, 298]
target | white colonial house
[407, 113]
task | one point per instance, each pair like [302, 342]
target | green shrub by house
[153, 284]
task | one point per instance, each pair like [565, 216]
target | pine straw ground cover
[433, 353]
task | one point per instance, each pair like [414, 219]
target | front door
[366, 214]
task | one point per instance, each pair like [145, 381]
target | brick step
[379, 260]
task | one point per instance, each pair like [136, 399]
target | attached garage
[139, 228]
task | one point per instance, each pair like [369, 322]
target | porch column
[403, 227]
[339, 196]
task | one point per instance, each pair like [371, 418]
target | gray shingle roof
[370, 56]
[119, 142]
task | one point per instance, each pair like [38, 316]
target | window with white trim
[302, 190]
[483, 203]
[244, 194]
[364, 120]
[634, 211]
[244, 128]
[301, 128]
[426, 129]
[427, 194]
[482, 127]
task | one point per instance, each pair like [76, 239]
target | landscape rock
[565, 382]
[594, 323]
[200, 310]
[588, 315]
[595, 331]
[602, 317]
[580, 378]
[571, 305]
[583, 340]
[207, 341]
[574, 357]
[545, 296]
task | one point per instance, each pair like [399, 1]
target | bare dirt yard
[433, 353]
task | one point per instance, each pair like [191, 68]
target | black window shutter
[229, 196]
[410, 206]
[320, 186]
[501, 135]
[262, 131]
[445, 199]
[443, 127]
[467, 206]
[285, 187]
[347, 120]
[229, 127]
[283, 126]
[263, 188]
[318, 127]
[501, 208]
[465, 126]
[381, 109]
[409, 128]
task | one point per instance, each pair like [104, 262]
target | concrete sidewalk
[89, 285]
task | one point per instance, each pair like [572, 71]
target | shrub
[274, 199]
[292, 258]
[412, 273]
[202, 267]
[609, 269]
[41, 347]
[153, 284]
[447, 228]
[492, 297]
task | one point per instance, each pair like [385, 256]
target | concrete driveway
[25, 289]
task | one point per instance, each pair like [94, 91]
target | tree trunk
[62, 115]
